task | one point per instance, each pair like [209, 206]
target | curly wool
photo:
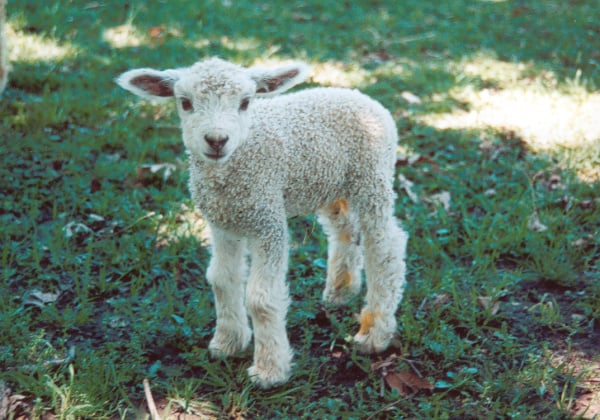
[302, 163]
[256, 160]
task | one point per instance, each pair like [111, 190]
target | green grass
[505, 124]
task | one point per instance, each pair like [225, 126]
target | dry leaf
[578, 317]
[393, 380]
[490, 193]
[488, 304]
[407, 383]
[555, 183]
[440, 300]
[407, 186]
[407, 158]
[166, 168]
[96, 217]
[156, 31]
[384, 364]
[583, 242]
[73, 228]
[441, 199]
[93, 5]
[534, 223]
[337, 354]
[410, 97]
[39, 298]
[95, 185]
[414, 381]
[116, 321]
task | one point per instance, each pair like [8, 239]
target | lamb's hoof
[370, 343]
[272, 365]
[224, 345]
[267, 378]
[376, 332]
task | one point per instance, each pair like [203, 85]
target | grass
[496, 104]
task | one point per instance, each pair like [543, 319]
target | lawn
[103, 259]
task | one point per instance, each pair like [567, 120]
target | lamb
[257, 159]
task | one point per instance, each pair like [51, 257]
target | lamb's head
[213, 99]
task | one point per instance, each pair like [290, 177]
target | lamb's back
[332, 139]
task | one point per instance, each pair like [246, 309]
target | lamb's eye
[186, 104]
[244, 104]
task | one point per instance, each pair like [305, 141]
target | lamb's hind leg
[385, 251]
[226, 274]
[344, 262]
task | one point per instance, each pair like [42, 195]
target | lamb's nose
[216, 142]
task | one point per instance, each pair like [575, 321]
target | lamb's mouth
[214, 156]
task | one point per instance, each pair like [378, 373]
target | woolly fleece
[256, 160]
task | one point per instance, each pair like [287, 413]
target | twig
[151, 406]
[140, 219]
[412, 365]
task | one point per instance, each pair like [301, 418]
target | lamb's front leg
[226, 274]
[268, 300]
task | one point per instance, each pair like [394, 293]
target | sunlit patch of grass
[126, 35]
[32, 48]
[339, 74]
[545, 120]
[513, 97]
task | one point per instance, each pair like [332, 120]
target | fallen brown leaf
[156, 31]
[414, 381]
[395, 382]
[337, 354]
[95, 185]
[407, 383]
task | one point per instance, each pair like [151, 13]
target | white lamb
[254, 162]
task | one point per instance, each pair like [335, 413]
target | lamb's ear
[271, 81]
[149, 83]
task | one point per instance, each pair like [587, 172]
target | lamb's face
[214, 111]
[214, 99]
